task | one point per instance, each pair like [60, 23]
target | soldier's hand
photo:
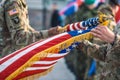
[87, 47]
[83, 46]
[53, 31]
[104, 33]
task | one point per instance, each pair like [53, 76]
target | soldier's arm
[93, 50]
[112, 38]
[114, 53]
[16, 17]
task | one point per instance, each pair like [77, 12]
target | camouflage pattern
[78, 62]
[106, 9]
[84, 13]
[108, 54]
[15, 31]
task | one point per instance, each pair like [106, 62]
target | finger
[96, 35]
[96, 31]
[101, 28]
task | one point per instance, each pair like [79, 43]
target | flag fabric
[83, 25]
[41, 66]
[75, 26]
[39, 57]
[71, 8]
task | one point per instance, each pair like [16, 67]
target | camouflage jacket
[15, 30]
[109, 54]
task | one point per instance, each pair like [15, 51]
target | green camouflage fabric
[15, 31]
[84, 13]
[109, 55]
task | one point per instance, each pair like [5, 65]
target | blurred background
[40, 11]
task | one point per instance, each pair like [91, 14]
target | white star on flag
[73, 45]
[80, 31]
[68, 50]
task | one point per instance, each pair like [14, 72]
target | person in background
[55, 17]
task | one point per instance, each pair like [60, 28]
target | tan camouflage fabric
[15, 30]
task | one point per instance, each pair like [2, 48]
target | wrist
[114, 40]
[44, 33]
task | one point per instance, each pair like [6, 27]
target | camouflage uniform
[15, 31]
[78, 62]
[109, 54]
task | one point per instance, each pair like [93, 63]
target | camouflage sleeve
[16, 15]
[114, 53]
[94, 50]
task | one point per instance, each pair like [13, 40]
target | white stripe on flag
[39, 68]
[81, 25]
[71, 28]
[45, 62]
[76, 27]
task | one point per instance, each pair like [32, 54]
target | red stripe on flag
[73, 26]
[81, 28]
[68, 28]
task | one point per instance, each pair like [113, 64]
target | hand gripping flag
[37, 59]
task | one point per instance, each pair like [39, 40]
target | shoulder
[106, 9]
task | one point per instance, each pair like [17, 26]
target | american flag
[38, 58]
[12, 12]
